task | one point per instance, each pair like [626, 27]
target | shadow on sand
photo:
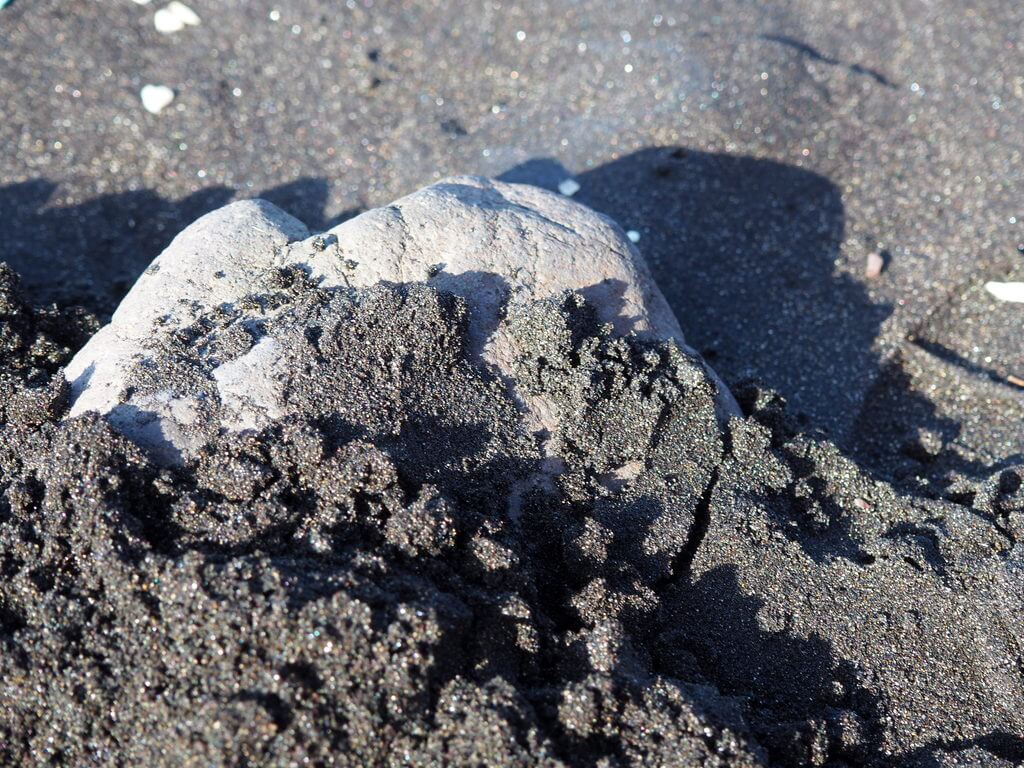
[744, 250]
[92, 252]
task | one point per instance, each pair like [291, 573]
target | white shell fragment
[491, 243]
[174, 18]
[1007, 291]
[156, 97]
[569, 187]
[633, 235]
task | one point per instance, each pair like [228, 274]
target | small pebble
[156, 97]
[569, 187]
[174, 18]
[1007, 291]
[874, 266]
[633, 235]
[141, 2]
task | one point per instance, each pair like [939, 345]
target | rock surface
[491, 243]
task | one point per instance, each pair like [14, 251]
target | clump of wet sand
[400, 573]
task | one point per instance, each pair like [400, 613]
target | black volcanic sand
[382, 579]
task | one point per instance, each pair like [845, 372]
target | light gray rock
[486, 241]
[221, 258]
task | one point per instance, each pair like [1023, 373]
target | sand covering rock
[494, 244]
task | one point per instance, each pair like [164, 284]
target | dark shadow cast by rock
[90, 253]
[1006, 748]
[905, 437]
[307, 200]
[800, 697]
[543, 172]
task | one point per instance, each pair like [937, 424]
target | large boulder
[488, 242]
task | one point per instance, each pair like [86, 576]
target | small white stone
[633, 235]
[569, 187]
[141, 2]
[174, 18]
[166, 22]
[874, 265]
[1007, 291]
[156, 97]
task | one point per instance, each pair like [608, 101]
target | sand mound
[384, 579]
